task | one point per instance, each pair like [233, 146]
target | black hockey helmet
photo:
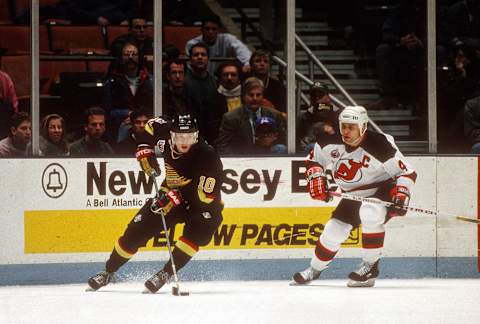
[184, 124]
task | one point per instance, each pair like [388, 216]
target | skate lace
[104, 277]
[365, 268]
[161, 276]
[310, 273]
[164, 276]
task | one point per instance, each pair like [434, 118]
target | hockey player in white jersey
[366, 164]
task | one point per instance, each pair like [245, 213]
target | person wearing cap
[266, 137]
[237, 131]
[220, 44]
[365, 164]
[319, 119]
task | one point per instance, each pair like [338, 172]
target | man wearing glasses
[137, 35]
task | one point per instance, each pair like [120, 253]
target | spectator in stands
[463, 25]
[92, 145]
[8, 103]
[52, 136]
[16, 143]
[461, 82]
[229, 88]
[237, 131]
[138, 120]
[266, 137]
[319, 119]
[463, 28]
[136, 35]
[7, 91]
[472, 124]
[129, 86]
[181, 12]
[201, 93]
[220, 44]
[400, 58]
[174, 100]
[102, 12]
[275, 91]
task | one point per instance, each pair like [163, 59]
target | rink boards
[71, 211]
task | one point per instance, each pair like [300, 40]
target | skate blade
[361, 284]
[90, 289]
[147, 292]
[294, 283]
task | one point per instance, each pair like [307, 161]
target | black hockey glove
[148, 161]
[165, 201]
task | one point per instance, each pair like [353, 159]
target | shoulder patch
[378, 145]
[324, 139]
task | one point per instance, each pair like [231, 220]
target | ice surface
[324, 301]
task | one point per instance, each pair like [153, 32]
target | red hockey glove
[165, 201]
[400, 196]
[317, 184]
[148, 161]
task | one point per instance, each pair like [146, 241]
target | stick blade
[468, 219]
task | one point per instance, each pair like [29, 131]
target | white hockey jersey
[364, 169]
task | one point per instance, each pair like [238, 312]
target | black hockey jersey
[197, 174]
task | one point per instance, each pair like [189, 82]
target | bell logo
[54, 180]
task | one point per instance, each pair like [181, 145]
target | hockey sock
[118, 257]
[329, 243]
[372, 244]
[322, 256]
[183, 251]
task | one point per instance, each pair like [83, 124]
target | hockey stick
[175, 289]
[408, 208]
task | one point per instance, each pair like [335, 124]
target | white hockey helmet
[354, 115]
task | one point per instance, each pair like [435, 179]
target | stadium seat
[180, 35]
[5, 17]
[98, 66]
[70, 39]
[115, 31]
[16, 39]
[50, 71]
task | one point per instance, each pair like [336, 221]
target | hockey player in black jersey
[190, 194]
[365, 164]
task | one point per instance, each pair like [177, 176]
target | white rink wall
[66, 211]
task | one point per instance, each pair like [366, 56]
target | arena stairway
[355, 73]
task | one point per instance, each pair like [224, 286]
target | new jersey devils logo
[349, 170]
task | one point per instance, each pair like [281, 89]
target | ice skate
[101, 279]
[157, 281]
[364, 276]
[306, 276]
